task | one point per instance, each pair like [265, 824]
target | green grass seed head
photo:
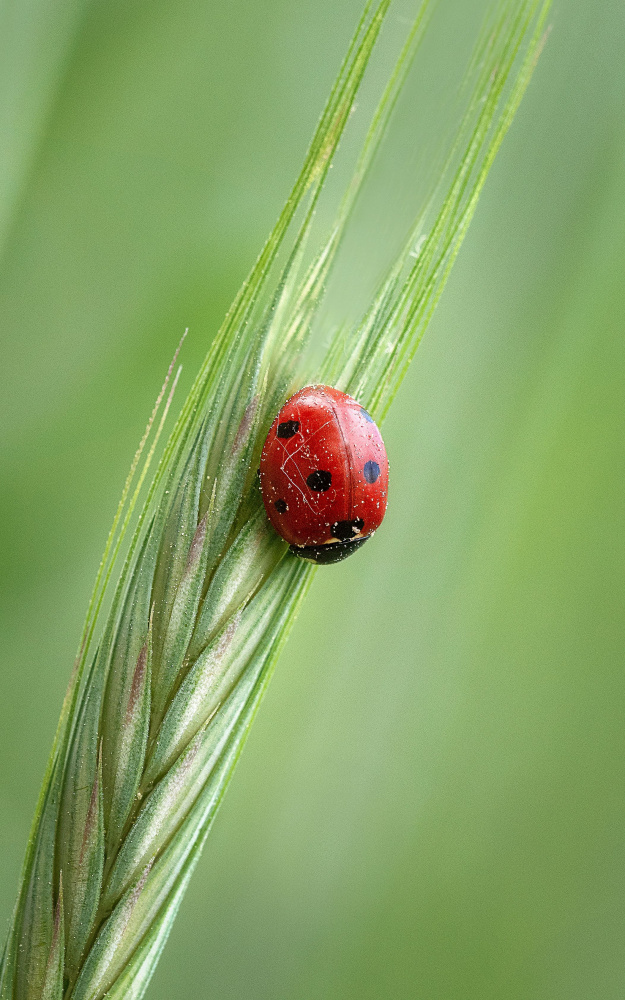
[157, 712]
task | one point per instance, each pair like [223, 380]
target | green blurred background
[431, 803]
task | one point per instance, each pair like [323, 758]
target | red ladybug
[324, 474]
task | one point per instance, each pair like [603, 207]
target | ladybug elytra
[324, 474]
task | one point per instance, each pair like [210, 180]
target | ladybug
[324, 474]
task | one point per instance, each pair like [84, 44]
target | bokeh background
[431, 803]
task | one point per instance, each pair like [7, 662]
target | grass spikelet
[159, 707]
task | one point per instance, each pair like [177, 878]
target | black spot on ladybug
[281, 506]
[287, 428]
[320, 480]
[345, 530]
[371, 471]
[367, 416]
